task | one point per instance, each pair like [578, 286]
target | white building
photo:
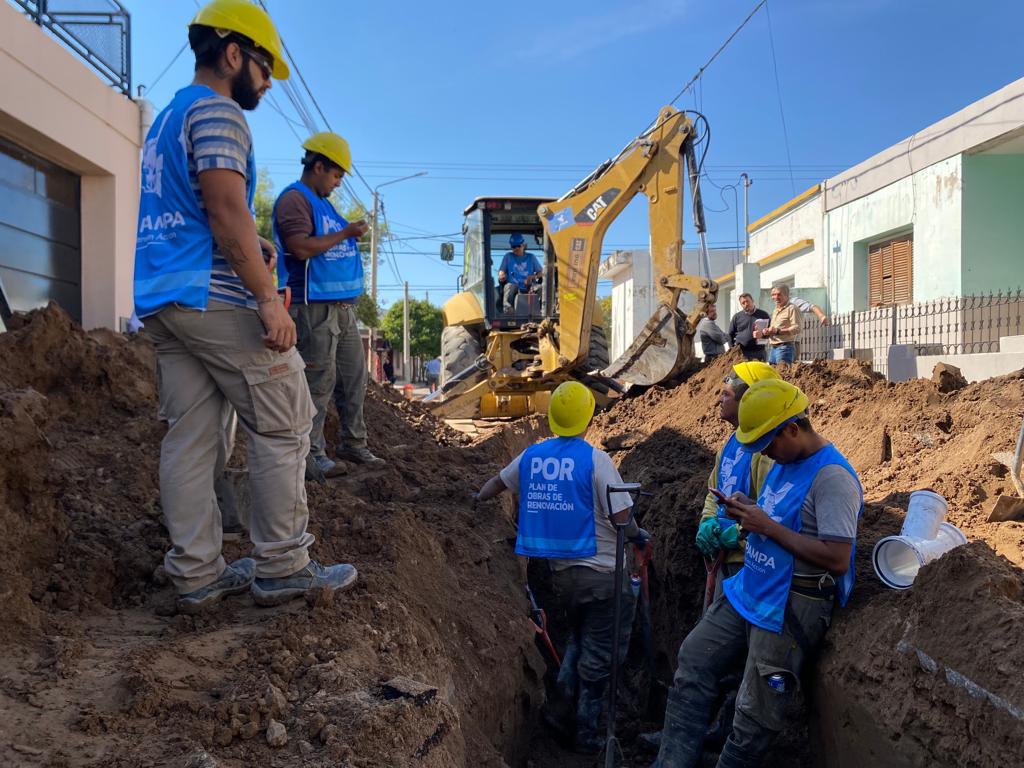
[918, 247]
[69, 161]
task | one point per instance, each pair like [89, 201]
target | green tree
[263, 202]
[424, 328]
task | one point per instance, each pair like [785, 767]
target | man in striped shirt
[222, 333]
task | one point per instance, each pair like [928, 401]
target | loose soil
[430, 660]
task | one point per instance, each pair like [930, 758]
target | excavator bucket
[659, 352]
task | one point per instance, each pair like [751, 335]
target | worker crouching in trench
[801, 536]
[563, 517]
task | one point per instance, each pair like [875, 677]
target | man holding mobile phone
[735, 470]
[801, 540]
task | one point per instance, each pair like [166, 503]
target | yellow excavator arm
[653, 164]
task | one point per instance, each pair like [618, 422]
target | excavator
[503, 358]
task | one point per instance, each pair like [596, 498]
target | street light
[373, 265]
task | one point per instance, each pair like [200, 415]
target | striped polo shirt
[216, 135]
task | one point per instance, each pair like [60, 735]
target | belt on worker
[821, 586]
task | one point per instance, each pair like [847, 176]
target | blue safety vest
[760, 590]
[556, 500]
[174, 248]
[335, 275]
[733, 475]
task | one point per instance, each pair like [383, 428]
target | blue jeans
[782, 353]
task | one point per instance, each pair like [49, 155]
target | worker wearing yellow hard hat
[564, 517]
[772, 615]
[251, 26]
[735, 470]
[223, 338]
[719, 538]
[322, 268]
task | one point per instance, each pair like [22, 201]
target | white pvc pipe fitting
[924, 537]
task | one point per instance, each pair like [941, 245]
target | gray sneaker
[328, 467]
[359, 454]
[314, 576]
[234, 579]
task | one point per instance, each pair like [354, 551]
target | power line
[722, 47]
[149, 88]
[778, 92]
[295, 97]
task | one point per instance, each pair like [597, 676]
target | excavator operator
[519, 272]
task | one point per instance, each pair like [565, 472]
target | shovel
[1011, 507]
[611, 744]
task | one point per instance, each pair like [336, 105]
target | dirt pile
[430, 660]
[900, 437]
[94, 672]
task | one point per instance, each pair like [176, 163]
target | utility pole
[373, 286]
[374, 242]
[746, 215]
[406, 357]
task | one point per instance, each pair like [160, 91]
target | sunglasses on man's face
[265, 65]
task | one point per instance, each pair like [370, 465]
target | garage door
[40, 232]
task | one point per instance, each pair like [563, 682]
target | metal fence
[957, 325]
[98, 31]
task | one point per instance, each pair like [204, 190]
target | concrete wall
[805, 266]
[927, 203]
[995, 117]
[55, 106]
[993, 224]
[904, 365]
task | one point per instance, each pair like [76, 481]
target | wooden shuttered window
[891, 272]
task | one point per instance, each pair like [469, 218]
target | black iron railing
[97, 31]
[957, 325]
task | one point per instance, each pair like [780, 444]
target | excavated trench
[430, 660]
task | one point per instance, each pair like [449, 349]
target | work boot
[722, 725]
[359, 454]
[649, 742]
[559, 712]
[328, 467]
[735, 757]
[682, 737]
[589, 740]
[313, 472]
[234, 579]
[275, 591]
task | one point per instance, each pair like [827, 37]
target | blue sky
[525, 98]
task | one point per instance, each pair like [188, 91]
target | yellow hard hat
[765, 408]
[571, 408]
[331, 146]
[751, 371]
[248, 19]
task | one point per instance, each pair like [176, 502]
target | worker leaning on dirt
[564, 517]
[801, 536]
[220, 329]
[736, 470]
[323, 269]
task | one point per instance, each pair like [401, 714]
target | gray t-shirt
[830, 511]
[605, 474]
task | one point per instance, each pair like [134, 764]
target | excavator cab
[490, 226]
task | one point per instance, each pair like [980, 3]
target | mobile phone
[719, 495]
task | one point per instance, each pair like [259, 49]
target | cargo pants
[330, 343]
[588, 598]
[722, 641]
[205, 360]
